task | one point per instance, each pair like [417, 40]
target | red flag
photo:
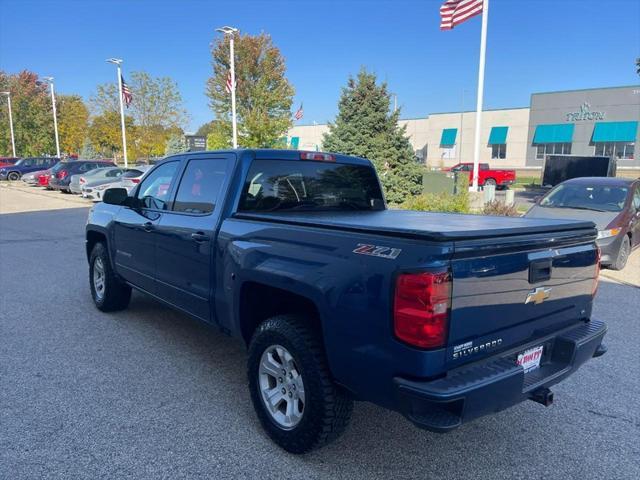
[127, 96]
[454, 12]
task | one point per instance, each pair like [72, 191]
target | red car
[487, 175]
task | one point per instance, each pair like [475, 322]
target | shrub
[496, 207]
[438, 202]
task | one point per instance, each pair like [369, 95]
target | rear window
[280, 185]
[132, 173]
[601, 198]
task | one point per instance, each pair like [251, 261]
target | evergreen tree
[175, 144]
[366, 127]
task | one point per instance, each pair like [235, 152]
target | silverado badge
[538, 295]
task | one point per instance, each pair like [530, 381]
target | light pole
[49, 80]
[13, 141]
[231, 31]
[117, 62]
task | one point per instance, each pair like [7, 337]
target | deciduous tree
[32, 115]
[365, 126]
[263, 94]
[73, 122]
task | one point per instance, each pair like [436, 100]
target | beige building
[588, 122]
[444, 139]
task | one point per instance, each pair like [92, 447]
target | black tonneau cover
[427, 225]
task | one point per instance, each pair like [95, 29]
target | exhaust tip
[543, 396]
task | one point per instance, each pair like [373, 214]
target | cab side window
[200, 186]
[155, 188]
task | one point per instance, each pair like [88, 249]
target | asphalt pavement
[150, 393]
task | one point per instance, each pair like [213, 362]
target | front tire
[623, 254]
[293, 394]
[13, 176]
[109, 293]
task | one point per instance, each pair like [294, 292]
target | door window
[200, 186]
[155, 189]
[636, 198]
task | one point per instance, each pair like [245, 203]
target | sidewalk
[631, 273]
[17, 197]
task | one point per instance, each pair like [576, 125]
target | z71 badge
[378, 251]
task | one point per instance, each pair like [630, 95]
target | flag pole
[233, 92]
[483, 47]
[124, 134]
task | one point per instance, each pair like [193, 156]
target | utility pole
[231, 31]
[13, 141]
[55, 115]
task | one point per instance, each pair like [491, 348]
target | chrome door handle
[199, 237]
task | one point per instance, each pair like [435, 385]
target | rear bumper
[497, 383]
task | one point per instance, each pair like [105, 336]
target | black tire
[490, 181]
[623, 254]
[115, 294]
[13, 176]
[327, 409]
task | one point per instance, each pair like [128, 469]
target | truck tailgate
[507, 291]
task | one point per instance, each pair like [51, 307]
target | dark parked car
[61, 177]
[8, 161]
[612, 203]
[442, 317]
[26, 165]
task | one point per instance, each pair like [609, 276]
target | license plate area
[530, 358]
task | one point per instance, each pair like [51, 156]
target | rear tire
[325, 411]
[623, 254]
[489, 181]
[109, 293]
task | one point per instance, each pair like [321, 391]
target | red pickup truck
[486, 175]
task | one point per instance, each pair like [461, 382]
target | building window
[619, 150]
[499, 151]
[552, 149]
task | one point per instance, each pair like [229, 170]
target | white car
[132, 178]
[95, 189]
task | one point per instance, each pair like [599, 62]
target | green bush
[497, 207]
[438, 202]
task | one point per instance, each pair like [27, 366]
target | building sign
[196, 143]
[585, 113]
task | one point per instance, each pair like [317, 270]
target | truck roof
[282, 154]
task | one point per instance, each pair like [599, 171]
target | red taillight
[421, 308]
[135, 180]
[61, 174]
[82, 180]
[597, 279]
[322, 157]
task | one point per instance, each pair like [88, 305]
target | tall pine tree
[366, 127]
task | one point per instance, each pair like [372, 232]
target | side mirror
[115, 196]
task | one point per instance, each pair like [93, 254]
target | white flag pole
[483, 47]
[233, 91]
[122, 124]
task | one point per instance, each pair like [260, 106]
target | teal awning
[295, 141]
[615, 132]
[448, 136]
[554, 133]
[498, 135]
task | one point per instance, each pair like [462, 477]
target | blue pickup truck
[441, 317]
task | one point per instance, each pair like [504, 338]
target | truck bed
[422, 225]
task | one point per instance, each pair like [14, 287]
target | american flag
[229, 84]
[454, 12]
[299, 113]
[127, 96]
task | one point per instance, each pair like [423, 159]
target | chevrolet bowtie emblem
[538, 295]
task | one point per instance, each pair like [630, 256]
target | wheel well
[259, 302]
[94, 237]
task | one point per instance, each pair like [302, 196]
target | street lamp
[49, 80]
[117, 62]
[13, 142]
[231, 31]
